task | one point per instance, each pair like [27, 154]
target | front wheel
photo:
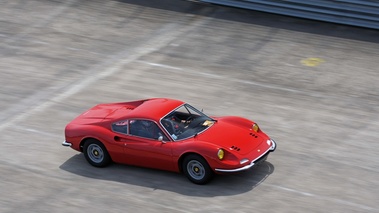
[96, 154]
[197, 169]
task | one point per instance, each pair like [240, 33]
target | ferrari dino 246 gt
[170, 135]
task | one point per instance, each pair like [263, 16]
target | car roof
[153, 109]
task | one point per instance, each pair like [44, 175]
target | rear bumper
[65, 143]
[258, 160]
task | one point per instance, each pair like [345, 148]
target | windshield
[185, 122]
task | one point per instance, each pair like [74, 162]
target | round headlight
[255, 127]
[220, 154]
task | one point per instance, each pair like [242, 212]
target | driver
[170, 125]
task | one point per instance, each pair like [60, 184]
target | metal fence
[363, 13]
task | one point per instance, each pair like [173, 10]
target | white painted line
[291, 190]
[159, 65]
[84, 50]
[72, 48]
[40, 42]
[38, 132]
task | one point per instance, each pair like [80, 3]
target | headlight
[220, 154]
[255, 127]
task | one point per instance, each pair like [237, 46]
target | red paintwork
[227, 132]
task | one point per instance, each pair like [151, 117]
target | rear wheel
[95, 153]
[197, 169]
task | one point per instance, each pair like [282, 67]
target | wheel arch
[184, 155]
[85, 139]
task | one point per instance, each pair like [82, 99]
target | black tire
[96, 154]
[196, 169]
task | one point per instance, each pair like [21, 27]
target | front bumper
[65, 143]
[259, 159]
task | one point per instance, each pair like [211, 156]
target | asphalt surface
[312, 86]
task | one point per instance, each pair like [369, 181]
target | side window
[146, 129]
[120, 127]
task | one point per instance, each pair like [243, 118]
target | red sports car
[170, 135]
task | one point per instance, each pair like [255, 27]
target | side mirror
[160, 138]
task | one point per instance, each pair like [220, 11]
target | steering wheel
[171, 127]
[189, 119]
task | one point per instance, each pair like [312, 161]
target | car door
[118, 138]
[142, 146]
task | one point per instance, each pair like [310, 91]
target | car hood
[234, 135]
